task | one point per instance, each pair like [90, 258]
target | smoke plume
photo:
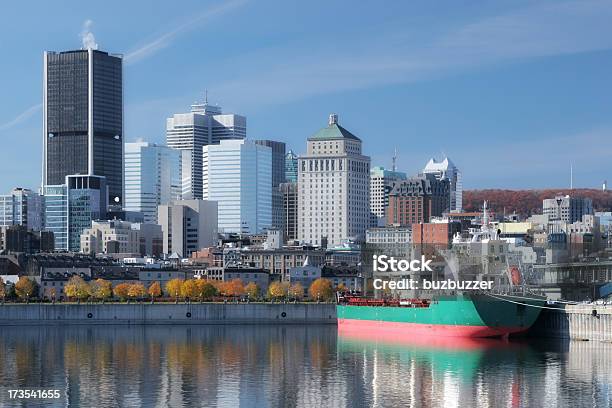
[87, 37]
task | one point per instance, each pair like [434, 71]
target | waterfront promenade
[12, 314]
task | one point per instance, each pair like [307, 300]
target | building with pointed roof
[333, 187]
[446, 170]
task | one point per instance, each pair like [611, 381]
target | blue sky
[512, 91]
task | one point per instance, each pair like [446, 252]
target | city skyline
[477, 88]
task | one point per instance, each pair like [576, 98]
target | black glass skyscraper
[83, 118]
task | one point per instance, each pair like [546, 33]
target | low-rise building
[122, 237]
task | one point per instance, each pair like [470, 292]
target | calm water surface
[288, 366]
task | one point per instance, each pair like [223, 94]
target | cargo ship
[460, 315]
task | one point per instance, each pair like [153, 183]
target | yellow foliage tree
[296, 291]
[25, 288]
[155, 290]
[277, 290]
[136, 291]
[2, 290]
[77, 288]
[252, 290]
[321, 289]
[189, 289]
[341, 287]
[101, 289]
[121, 291]
[173, 288]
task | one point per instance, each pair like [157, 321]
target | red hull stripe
[417, 329]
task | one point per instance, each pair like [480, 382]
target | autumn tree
[25, 288]
[154, 290]
[341, 287]
[234, 288]
[173, 288]
[101, 289]
[277, 290]
[296, 291]
[121, 291]
[77, 288]
[321, 289]
[2, 290]
[189, 289]
[205, 289]
[136, 291]
[252, 290]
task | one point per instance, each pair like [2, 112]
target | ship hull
[454, 316]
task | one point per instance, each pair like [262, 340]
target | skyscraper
[237, 174]
[446, 169]
[278, 177]
[204, 125]
[83, 118]
[152, 177]
[381, 183]
[333, 187]
[291, 167]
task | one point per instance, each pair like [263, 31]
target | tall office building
[71, 207]
[204, 125]
[21, 207]
[83, 118]
[237, 174]
[446, 169]
[278, 177]
[567, 209]
[333, 187]
[381, 183]
[188, 226]
[289, 193]
[291, 167]
[152, 177]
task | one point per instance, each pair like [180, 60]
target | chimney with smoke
[87, 38]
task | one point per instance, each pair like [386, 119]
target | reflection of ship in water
[437, 371]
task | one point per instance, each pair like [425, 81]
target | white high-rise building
[237, 174]
[204, 125]
[333, 187]
[381, 183]
[446, 169]
[152, 177]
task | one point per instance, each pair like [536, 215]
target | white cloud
[282, 75]
[166, 39]
[22, 117]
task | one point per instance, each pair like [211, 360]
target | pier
[576, 322]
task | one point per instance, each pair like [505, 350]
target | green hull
[462, 315]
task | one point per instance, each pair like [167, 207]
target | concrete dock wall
[578, 322]
[167, 313]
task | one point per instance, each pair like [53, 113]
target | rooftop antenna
[206, 97]
[571, 176]
[394, 159]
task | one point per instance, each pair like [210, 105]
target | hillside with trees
[527, 202]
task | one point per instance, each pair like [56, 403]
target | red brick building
[417, 199]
